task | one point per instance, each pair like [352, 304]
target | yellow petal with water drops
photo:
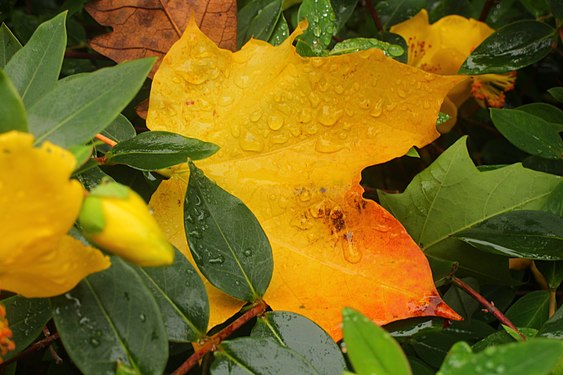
[295, 134]
[38, 205]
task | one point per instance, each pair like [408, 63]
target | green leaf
[9, 45]
[280, 33]
[519, 234]
[248, 355]
[461, 302]
[553, 328]
[120, 129]
[181, 296]
[228, 244]
[12, 111]
[432, 210]
[511, 47]
[257, 19]
[552, 271]
[532, 310]
[502, 337]
[393, 12]
[112, 317]
[370, 348]
[315, 40]
[81, 153]
[27, 317]
[35, 68]
[343, 10]
[77, 109]
[547, 112]
[535, 356]
[154, 150]
[529, 133]
[360, 44]
[433, 347]
[413, 153]
[557, 92]
[300, 334]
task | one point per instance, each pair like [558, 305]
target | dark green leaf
[556, 7]
[260, 356]
[9, 45]
[370, 348]
[557, 92]
[315, 40]
[81, 153]
[257, 19]
[553, 328]
[228, 244]
[393, 12]
[27, 318]
[461, 302]
[112, 317]
[420, 368]
[530, 311]
[433, 347]
[520, 234]
[536, 7]
[547, 112]
[432, 211]
[502, 296]
[502, 337]
[471, 329]
[154, 150]
[511, 47]
[76, 110]
[35, 68]
[300, 334]
[410, 327]
[120, 129]
[360, 44]
[529, 133]
[552, 271]
[181, 296]
[343, 10]
[12, 111]
[280, 33]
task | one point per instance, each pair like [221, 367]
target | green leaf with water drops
[259, 356]
[302, 335]
[12, 111]
[442, 118]
[371, 350]
[557, 93]
[9, 45]
[228, 244]
[34, 69]
[154, 150]
[343, 10]
[432, 212]
[257, 19]
[281, 31]
[112, 317]
[181, 296]
[520, 234]
[511, 47]
[27, 317]
[502, 337]
[321, 18]
[393, 12]
[532, 310]
[529, 133]
[552, 271]
[553, 328]
[360, 44]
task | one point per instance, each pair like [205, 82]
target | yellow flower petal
[38, 205]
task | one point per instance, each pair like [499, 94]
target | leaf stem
[374, 15]
[491, 308]
[486, 9]
[106, 140]
[211, 343]
[33, 348]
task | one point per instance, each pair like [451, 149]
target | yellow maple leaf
[295, 134]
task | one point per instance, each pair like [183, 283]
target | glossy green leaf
[120, 129]
[27, 317]
[529, 133]
[532, 310]
[9, 45]
[302, 335]
[393, 12]
[371, 350]
[535, 356]
[181, 296]
[553, 328]
[460, 301]
[81, 153]
[343, 10]
[112, 317]
[547, 112]
[360, 44]
[257, 19]
[12, 111]
[519, 234]
[502, 337]
[552, 271]
[419, 367]
[413, 153]
[432, 211]
[557, 92]
[228, 244]
[433, 347]
[321, 18]
[470, 329]
[35, 68]
[76, 110]
[511, 47]
[260, 356]
[406, 328]
[280, 33]
[154, 150]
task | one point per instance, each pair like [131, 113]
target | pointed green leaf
[532, 310]
[120, 129]
[77, 109]
[343, 10]
[360, 44]
[257, 19]
[552, 271]
[502, 337]
[557, 92]
[547, 112]
[321, 19]
[9, 45]
[393, 12]
[109, 318]
[35, 68]
[280, 33]
[554, 203]
[12, 111]
[553, 328]
[228, 244]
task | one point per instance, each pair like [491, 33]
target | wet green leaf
[12, 111]
[343, 10]
[511, 47]
[433, 347]
[227, 242]
[530, 311]
[553, 328]
[321, 18]
[281, 31]
[9, 45]
[257, 19]
[360, 44]
[502, 337]
[393, 12]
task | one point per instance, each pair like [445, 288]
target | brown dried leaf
[144, 28]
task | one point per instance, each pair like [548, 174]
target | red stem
[33, 348]
[210, 343]
[486, 9]
[374, 15]
[106, 140]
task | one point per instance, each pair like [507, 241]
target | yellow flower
[6, 344]
[442, 48]
[38, 205]
[117, 219]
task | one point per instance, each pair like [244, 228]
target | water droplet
[242, 81]
[304, 195]
[94, 342]
[251, 142]
[142, 317]
[377, 109]
[326, 145]
[247, 252]
[401, 93]
[275, 122]
[351, 253]
[365, 103]
[314, 99]
[311, 129]
[176, 79]
[328, 115]
[225, 100]
[255, 116]
[220, 259]
[304, 117]
[195, 234]
[280, 137]
[426, 104]
[338, 89]
[235, 129]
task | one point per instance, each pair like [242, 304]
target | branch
[210, 343]
[374, 15]
[33, 348]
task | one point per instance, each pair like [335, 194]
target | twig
[106, 140]
[486, 9]
[211, 343]
[33, 348]
[374, 15]
[52, 351]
